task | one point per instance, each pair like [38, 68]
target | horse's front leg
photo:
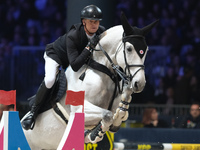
[121, 113]
[99, 118]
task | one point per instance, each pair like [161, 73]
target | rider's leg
[51, 68]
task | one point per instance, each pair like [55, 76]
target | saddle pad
[57, 92]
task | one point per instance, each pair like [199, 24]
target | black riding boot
[41, 95]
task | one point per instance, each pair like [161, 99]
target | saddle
[57, 92]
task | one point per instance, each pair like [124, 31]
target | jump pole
[157, 146]
[73, 138]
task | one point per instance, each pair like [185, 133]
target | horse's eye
[129, 49]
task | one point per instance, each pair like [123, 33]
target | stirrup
[30, 119]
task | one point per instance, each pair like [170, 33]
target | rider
[72, 48]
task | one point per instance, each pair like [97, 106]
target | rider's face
[91, 26]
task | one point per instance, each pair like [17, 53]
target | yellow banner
[185, 146]
[105, 144]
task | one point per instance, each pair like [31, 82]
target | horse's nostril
[136, 84]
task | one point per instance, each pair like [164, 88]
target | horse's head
[134, 49]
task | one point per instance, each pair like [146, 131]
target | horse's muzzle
[138, 86]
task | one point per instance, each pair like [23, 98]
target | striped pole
[155, 146]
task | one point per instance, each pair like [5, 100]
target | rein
[116, 68]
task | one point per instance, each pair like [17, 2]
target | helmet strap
[87, 31]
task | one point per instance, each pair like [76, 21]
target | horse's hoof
[96, 134]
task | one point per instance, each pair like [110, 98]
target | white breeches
[51, 68]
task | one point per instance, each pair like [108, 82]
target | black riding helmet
[91, 12]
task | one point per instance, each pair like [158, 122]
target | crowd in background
[151, 119]
[177, 82]
[30, 23]
[27, 23]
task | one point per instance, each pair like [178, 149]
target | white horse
[106, 97]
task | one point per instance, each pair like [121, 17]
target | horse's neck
[109, 42]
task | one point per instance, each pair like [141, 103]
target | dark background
[172, 64]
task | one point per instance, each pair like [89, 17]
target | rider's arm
[77, 58]
[57, 51]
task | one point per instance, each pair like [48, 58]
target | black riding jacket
[70, 48]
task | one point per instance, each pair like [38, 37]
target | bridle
[128, 66]
[125, 75]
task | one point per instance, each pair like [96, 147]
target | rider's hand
[93, 42]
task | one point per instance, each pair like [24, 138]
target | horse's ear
[126, 26]
[148, 28]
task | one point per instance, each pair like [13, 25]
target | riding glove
[93, 42]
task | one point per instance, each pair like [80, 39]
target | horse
[108, 87]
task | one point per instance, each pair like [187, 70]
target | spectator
[193, 119]
[150, 119]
